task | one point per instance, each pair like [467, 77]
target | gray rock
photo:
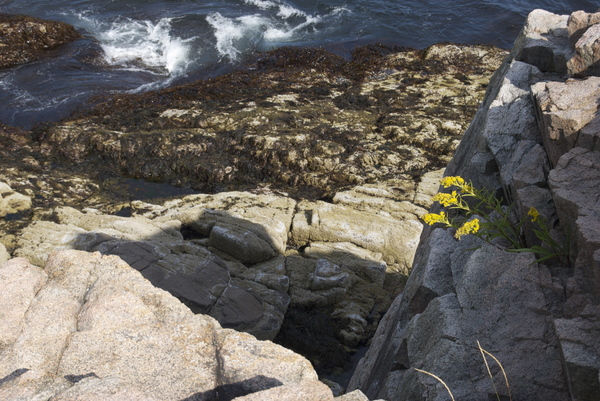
[541, 199]
[328, 276]
[442, 337]
[564, 109]
[267, 217]
[428, 187]
[388, 199]
[363, 263]
[587, 264]
[589, 136]
[240, 243]
[238, 308]
[510, 120]
[462, 292]
[532, 169]
[544, 42]
[575, 184]
[91, 326]
[323, 222]
[581, 354]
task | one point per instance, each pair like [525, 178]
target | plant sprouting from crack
[480, 213]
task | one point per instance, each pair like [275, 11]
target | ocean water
[140, 45]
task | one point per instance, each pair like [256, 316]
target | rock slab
[90, 327]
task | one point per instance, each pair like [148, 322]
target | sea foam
[140, 44]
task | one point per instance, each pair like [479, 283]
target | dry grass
[483, 355]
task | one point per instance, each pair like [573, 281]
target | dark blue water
[139, 45]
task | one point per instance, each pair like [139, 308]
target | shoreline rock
[89, 324]
[302, 121]
[533, 142]
[25, 39]
[336, 160]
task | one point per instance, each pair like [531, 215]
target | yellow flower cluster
[469, 227]
[446, 199]
[452, 181]
[533, 213]
[432, 218]
[456, 181]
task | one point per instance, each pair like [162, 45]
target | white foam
[286, 11]
[262, 4]
[140, 44]
[230, 31]
[131, 42]
[237, 35]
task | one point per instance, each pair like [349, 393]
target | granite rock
[90, 326]
[578, 23]
[586, 59]
[565, 108]
[4, 255]
[187, 270]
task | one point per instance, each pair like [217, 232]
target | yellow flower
[457, 181]
[533, 213]
[446, 199]
[469, 227]
[432, 218]
[453, 181]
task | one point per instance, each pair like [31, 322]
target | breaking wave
[274, 23]
[141, 44]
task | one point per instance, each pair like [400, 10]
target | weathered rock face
[253, 261]
[24, 39]
[187, 269]
[584, 36]
[305, 121]
[12, 202]
[90, 327]
[366, 136]
[565, 108]
[534, 142]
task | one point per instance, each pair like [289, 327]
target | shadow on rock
[228, 392]
[232, 256]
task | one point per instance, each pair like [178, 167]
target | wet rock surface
[25, 39]
[305, 121]
[533, 142]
